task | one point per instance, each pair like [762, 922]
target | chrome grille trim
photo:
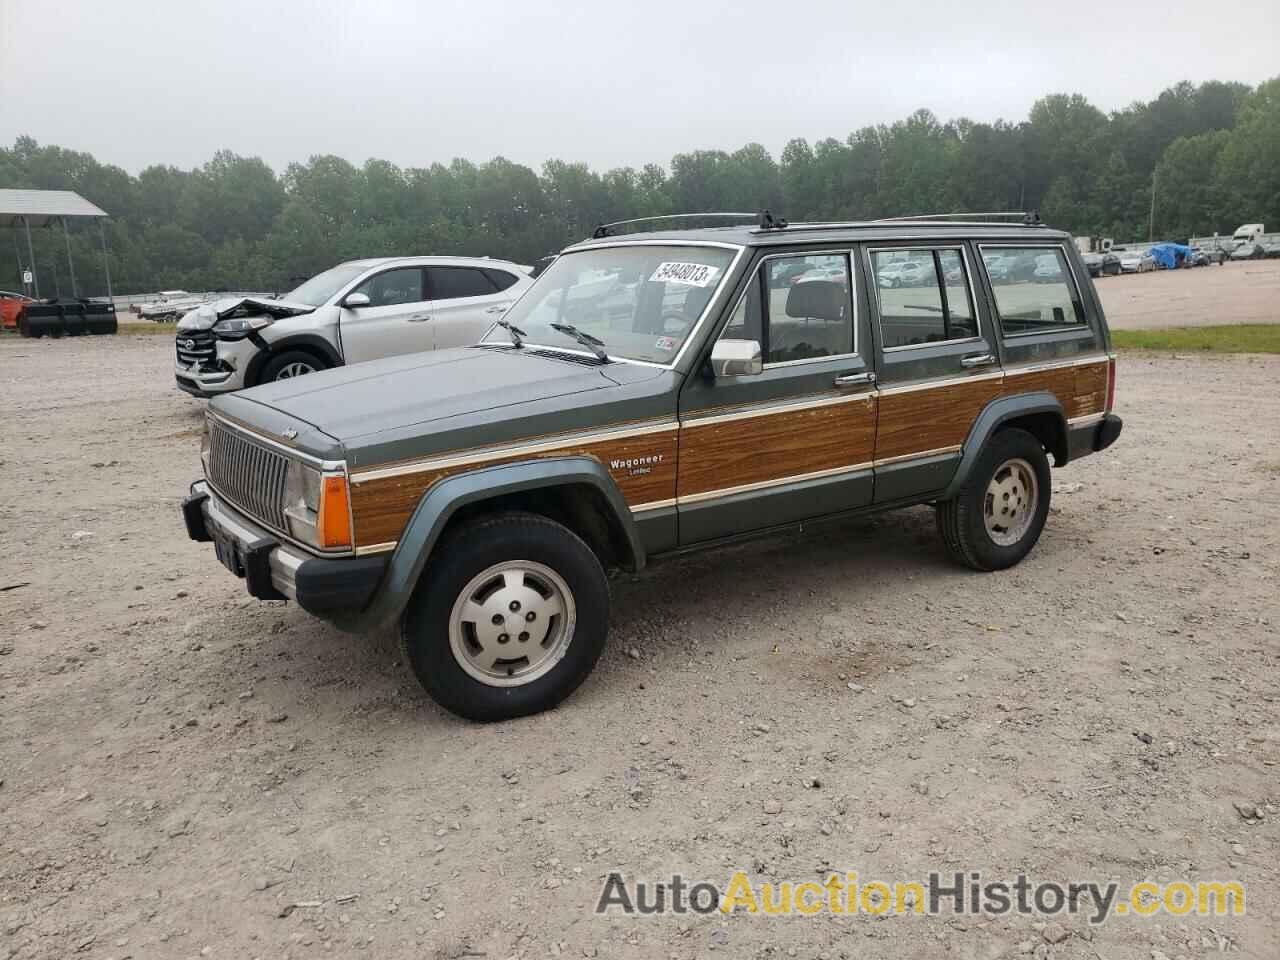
[250, 475]
[202, 350]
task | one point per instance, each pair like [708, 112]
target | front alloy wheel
[298, 368]
[512, 623]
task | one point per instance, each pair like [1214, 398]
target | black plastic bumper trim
[325, 587]
[257, 570]
[1108, 431]
[193, 516]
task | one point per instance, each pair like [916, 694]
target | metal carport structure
[39, 208]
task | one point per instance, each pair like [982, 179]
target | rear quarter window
[500, 278]
[1034, 289]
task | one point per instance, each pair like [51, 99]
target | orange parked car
[11, 305]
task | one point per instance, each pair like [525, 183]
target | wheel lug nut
[524, 637]
[514, 606]
[497, 619]
[530, 616]
[503, 638]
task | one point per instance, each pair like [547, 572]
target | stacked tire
[53, 318]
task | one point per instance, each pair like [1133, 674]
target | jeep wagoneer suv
[651, 393]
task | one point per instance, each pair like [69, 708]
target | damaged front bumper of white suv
[216, 342]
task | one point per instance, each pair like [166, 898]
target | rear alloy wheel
[1000, 511]
[1010, 503]
[508, 619]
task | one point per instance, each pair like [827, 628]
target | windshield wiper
[515, 332]
[586, 339]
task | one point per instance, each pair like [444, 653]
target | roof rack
[603, 229]
[1030, 218]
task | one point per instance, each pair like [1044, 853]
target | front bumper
[225, 373]
[275, 570]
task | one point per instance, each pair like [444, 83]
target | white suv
[359, 310]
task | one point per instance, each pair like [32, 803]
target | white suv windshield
[642, 301]
[322, 286]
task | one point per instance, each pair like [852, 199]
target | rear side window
[1034, 289]
[500, 278]
[923, 296]
[448, 283]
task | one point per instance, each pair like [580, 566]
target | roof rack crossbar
[1028, 217]
[603, 229]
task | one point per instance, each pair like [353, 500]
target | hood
[207, 314]
[420, 389]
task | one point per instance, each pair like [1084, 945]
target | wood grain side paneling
[772, 446]
[920, 420]
[1081, 390]
[1091, 390]
[381, 507]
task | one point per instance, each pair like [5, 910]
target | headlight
[238, 328]
[317, 507]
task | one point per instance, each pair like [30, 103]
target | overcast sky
[137, 82]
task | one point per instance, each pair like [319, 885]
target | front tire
[290, 364]
[1000, 511]
[509, 618]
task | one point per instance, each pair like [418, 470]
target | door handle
[419, 317]
[501, 308]
[855, 379]
[981, 360]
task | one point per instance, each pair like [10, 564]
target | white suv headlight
[240, 327]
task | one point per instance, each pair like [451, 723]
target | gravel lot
[179, 764]
[1243, 291]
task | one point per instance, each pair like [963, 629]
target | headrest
[819, 299]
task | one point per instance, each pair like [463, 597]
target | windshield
[641, 300]
[322, 286]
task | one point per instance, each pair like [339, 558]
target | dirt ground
[1244, 291]
[186, 772]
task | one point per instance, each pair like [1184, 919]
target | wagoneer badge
[637, 466]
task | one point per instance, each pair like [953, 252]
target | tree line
[1210, 152]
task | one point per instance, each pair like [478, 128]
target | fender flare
[446, 497]
[309, 341]
[993, 415]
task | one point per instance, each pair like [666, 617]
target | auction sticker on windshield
[692, 274]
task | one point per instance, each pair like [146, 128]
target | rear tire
[509, 618]
[1000, 511]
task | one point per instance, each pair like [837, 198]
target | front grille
[250, 475]
[196, 346]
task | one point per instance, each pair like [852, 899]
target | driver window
[394, 287]
[798, 308]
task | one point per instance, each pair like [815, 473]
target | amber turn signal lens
[335, 513]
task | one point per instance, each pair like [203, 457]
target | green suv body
[653, 393]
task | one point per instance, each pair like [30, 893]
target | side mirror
[354, 300]
[736, 358]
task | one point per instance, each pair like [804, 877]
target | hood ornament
[290, 434]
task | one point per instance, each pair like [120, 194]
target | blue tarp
[1170, 255]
